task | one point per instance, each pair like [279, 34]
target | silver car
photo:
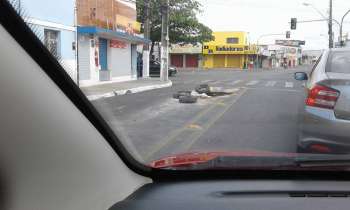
[324, 117]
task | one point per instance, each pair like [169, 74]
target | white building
[108, 41]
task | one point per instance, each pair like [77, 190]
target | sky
[260, 17]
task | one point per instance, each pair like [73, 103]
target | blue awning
[109, 34]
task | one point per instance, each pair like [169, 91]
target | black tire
[188, 99]
[203, 89]
[181, 93]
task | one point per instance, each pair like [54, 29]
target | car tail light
[320, 148]
[323, 97]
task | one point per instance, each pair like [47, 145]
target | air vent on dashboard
[292, 194]
[319, 194]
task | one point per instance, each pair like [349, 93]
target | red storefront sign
[117, 44]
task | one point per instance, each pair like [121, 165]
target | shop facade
[106, 55]
[228, 50]
[109, 41]
[186, 57]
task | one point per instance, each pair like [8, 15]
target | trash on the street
[198, 95]
[214, 91]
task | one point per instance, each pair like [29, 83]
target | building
[109, 41]
[274, 56]
[53, 23]
[228, 50]
[311, 56]
[186, 56]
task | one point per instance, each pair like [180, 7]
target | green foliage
[184, 26]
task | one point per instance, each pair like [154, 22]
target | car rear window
[339, 62]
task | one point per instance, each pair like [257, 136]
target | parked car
[325, 116]
[154, 69]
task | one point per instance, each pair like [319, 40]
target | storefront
[228, 50]
[106, 55]
[186, 56]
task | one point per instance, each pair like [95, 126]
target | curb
[129, 91]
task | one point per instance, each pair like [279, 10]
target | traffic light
[293, 24]
[288, 34]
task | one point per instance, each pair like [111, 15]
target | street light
[330, 20]
[319, 12]
[341, 28]
[315, 8]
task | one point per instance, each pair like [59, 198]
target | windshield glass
[209, 83]
[340, 62]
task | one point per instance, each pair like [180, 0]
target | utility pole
[146, 50]
[76, 37]
[165, 41]
[19, 7]
[330, 24]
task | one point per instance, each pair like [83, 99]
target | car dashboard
[240, 195]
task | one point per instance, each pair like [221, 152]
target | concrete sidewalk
[122, 88]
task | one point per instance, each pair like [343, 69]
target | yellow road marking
[177, 132]
[214, 120]
[194, 126]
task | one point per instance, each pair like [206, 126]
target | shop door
[219, 61]
[234, 61]
[177, 60]
[191, 61]
[103, 53]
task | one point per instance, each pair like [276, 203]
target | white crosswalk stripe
[270, 83]
[236, 82]
[207, 81]
[289, 84]
[215, 83]
[251, 83]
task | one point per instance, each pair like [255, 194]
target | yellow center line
[167, 141]
[206, 127]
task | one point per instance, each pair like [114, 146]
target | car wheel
[188, 99]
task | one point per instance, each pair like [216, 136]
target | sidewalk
[122, 88]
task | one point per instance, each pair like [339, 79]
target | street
[261, 115]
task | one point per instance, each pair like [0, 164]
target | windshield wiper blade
[322, 160]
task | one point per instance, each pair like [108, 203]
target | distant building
[311, 56]
[274, 56]
[228, 50]
[109, 41]
[53, 23]
[186, 56]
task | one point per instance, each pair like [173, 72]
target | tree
[184, 26]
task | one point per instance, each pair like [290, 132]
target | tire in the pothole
[181, 93]
[204, 88]
[188, 99]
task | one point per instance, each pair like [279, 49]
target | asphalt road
[261, 115]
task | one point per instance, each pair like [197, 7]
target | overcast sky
[260, 17]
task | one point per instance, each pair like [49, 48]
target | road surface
[261, 115]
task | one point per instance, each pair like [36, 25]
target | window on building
[232, 40]
[51, 41]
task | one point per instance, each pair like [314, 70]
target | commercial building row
[234, 50]
[95, 41]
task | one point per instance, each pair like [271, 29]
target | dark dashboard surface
[240, 195]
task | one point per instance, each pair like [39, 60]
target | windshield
[340, 62]
[215, 83]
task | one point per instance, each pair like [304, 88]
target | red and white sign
[117, 44]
